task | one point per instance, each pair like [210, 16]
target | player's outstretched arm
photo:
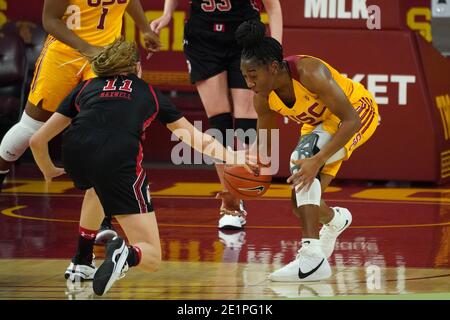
[203, 142]
[52, 22]
[135, 10]
[163, 21]
[273, 9]
[316, 77]
[39, 144]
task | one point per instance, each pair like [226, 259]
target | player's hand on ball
[309, 168]
[247, 160]
[253, 169]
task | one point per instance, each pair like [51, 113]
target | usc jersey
[98, 22]
[59, 67]
[310, 111]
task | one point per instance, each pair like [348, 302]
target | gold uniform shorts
[367, 109]
[58, 70]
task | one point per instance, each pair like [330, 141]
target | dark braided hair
[251, 36]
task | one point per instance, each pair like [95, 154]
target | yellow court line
[10, 213]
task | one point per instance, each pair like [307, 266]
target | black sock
[134, 256]
[107, 222]
[222, 122]
[85, 248]
[246, 124]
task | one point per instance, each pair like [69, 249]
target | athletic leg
[243, 110]
[214, 93]
[52, 82]
[245, 115]
[325, 212]
[16, 140]
[310, 263]
[335, 220]
[142, 233]
[82, 266]
[145, 250]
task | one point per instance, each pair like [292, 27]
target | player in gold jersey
[337, 116]
[78, 29]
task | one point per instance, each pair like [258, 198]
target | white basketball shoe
[80, 272]
[309, 265]
[231, 219]
[329, 232]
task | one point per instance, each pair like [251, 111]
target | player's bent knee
[16, 140]
[310, 144]
[306, 148]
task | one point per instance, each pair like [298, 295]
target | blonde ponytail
[119, 57]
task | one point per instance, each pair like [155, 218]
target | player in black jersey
[213, 58]
[102, 153]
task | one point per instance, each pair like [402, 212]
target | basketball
[245, 185]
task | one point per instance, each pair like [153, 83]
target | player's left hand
[152, 43]
[303, 178]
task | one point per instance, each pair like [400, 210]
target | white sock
[312, 245]
[4, 172]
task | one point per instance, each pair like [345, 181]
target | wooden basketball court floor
[398, 246]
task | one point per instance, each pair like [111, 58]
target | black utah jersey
[123, 103]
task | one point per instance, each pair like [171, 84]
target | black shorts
[209, 53]
[111, 164]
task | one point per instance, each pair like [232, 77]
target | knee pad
[310, 197]
[306, 148]
[222, 122]
[246, 130]
[16, 140]
[310, 144]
